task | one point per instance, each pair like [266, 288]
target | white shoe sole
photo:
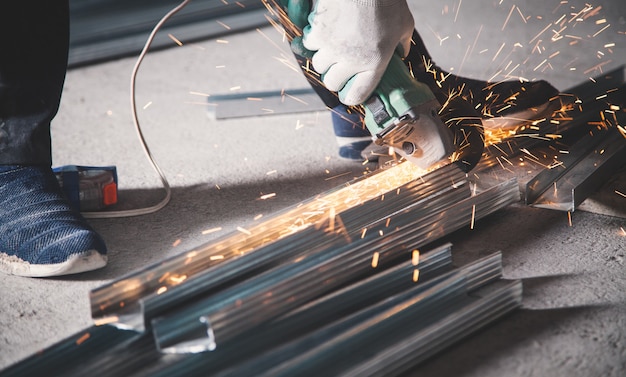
[83, 262]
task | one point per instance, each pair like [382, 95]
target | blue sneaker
[40, 234]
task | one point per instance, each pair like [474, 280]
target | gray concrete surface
[573, 318]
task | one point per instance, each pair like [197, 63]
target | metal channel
[590, 162]
[578, 106]
[417, 347]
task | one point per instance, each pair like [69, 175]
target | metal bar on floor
[589, 164]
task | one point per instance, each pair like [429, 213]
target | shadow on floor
[138, 242]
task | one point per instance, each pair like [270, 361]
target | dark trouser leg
[34, 39]
[40, 235]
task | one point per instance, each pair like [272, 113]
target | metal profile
[495, 301]
[590, 162]
[578, 106]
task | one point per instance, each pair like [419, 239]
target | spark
[457, 10]
[178, 42]
[279, 47]
[147, 105]
[416, 275]
[508, 17]
[224, 25]
[569, 218]
[216, 257]
[106, 320]
[620, 193]
[271, 172]
[331, 219]
[526, 151]
[243, 230]
[363, 232]
[83, 338]
[541, 32]
[554, 54]
[177, 242]
[415, 257]
[521, 15]
[221, 41]
[162, 278]
[623, 230]
[267, 196]
[601, 30]
[200, 94]
[300, 100]
[257, 217]
[177, 279]
[498, 52]
[507, 161]
[336, 176]
[212, 230]
[473, 216]
[161, 290]
[375, 259]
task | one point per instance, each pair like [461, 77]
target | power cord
[144, 144]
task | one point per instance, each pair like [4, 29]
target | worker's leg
[40, 235]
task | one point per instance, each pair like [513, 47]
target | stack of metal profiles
[272, 298]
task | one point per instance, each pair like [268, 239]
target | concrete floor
[572, 322]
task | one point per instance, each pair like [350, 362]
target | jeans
[34, 41]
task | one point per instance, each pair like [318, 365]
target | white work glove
[354, 40]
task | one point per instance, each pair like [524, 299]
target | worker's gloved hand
[354, 40]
